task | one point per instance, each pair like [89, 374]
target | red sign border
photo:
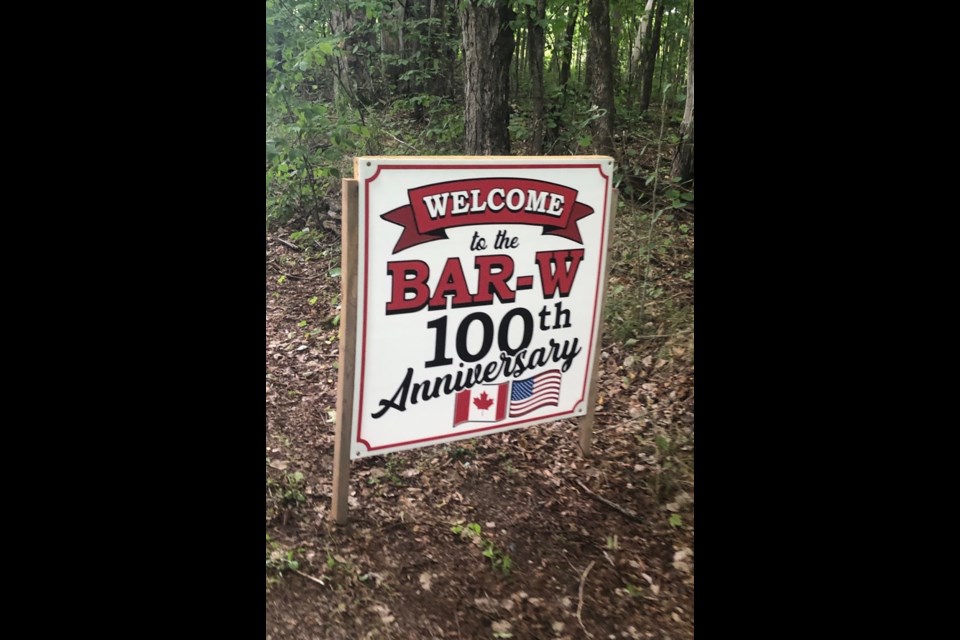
[366, 271]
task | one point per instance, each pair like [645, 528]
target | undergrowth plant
[499, 560]
[309, 140]
[279, 560]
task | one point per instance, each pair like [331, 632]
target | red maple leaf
[483, 402]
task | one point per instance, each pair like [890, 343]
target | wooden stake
[586, 421]
[348, 348]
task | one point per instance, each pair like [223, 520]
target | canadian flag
[483, 403]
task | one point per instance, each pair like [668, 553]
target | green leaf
[687, 196]
[281, 279]
[302, 323]
[630, 342]
[312, 300]
[676, 520]
[334, 272]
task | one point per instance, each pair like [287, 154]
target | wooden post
[586, 421]
[348, 348]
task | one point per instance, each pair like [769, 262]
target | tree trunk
[683, 160]
[487, 47]
[616, 28]
[390, 24]
[535, 40]
[353, 73]
[566, 51]
[518, 60]
[636, 54]
[650, 59]
[600, 61]
[580, 55]
[415, 41]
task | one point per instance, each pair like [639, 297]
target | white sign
[479, 295]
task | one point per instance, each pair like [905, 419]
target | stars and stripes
[541, 390]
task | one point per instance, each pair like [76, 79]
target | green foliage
[673, 468]
[292, 489]
[390, 473]
[462, 452]
[498, 560]
[309, 139]
[437, 122]
[306, 237]
[288, 490]
[675, 520]
[279, 560]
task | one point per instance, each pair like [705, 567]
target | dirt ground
[514, 535]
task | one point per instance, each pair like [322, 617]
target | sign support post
[586, 421]
[348, 348]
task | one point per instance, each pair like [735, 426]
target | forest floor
[597, 547]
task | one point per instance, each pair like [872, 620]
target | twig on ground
[290, 275]
[288, 244]
[662, 335]
[612, 505]
[401, 141]
[662, 300]
[622, 424]
[583, 579]
[309, 577]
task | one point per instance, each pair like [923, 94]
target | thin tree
[566, 47]
[650, 59]
[639, 45]
[600, 62]
[488, 48]
[536, 15]
[683, 160]
[359, 41]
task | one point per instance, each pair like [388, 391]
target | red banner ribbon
[437, 207]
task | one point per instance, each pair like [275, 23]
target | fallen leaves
[384, 612]
[397, 571]
[680, 501]
[681, 560]
[426, 581]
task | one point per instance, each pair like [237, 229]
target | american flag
[539, 391]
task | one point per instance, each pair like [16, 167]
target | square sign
[479, 293]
